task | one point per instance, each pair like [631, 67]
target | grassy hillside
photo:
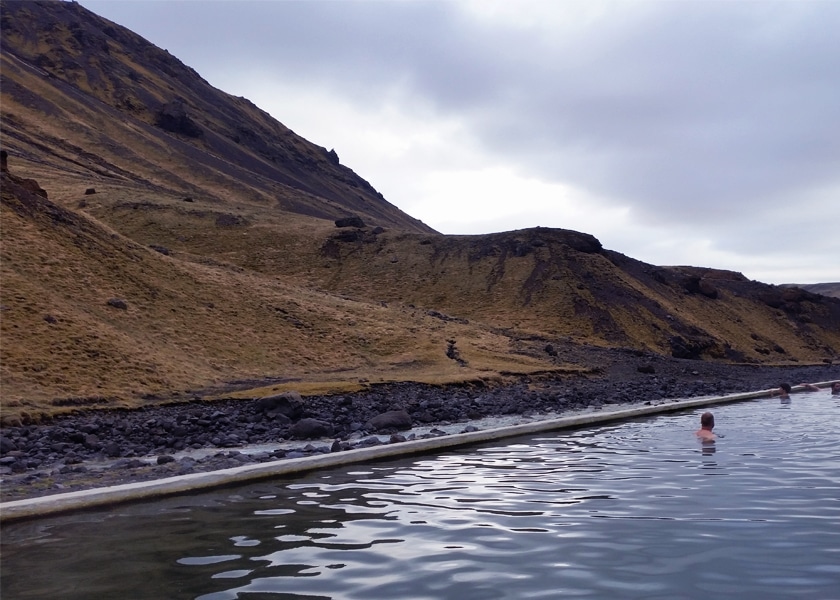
[92, 318]
[184, 244]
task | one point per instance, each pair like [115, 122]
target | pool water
[637, 509]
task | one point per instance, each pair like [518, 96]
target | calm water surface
[632, 510]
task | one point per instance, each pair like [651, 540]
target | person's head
[785, 387]
[707, 420]
[835, 387]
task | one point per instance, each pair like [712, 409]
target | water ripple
[632, 510]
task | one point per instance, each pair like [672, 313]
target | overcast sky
[677, 132]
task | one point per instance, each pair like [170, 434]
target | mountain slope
[91, 103]
[186, 246]
[92, 318]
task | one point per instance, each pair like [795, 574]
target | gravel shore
[96, 449]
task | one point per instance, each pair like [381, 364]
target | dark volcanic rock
[309, 429]
[351, 221]
[60, 449]
[392, 420]
[288, 404]
[173, 117]
[117, 303]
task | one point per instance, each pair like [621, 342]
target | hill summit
[163, 240]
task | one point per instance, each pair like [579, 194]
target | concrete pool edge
[131, 492]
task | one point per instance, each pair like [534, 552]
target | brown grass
[224, 306]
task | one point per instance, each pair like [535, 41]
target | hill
[163, 240]
[826, 289]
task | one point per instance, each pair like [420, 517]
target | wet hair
[707, 419]
[785, 387]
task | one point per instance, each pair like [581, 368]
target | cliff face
[161, 237]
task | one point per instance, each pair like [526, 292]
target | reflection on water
[621, 511]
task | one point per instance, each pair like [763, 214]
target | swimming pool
[637, 509]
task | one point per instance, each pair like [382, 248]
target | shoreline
[46, 461]
[200, 482]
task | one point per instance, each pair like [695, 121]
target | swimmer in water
[783, 391]
[707, 423]
[835, 388]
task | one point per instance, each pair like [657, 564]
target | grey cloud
[728, 107]
[704, 132]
